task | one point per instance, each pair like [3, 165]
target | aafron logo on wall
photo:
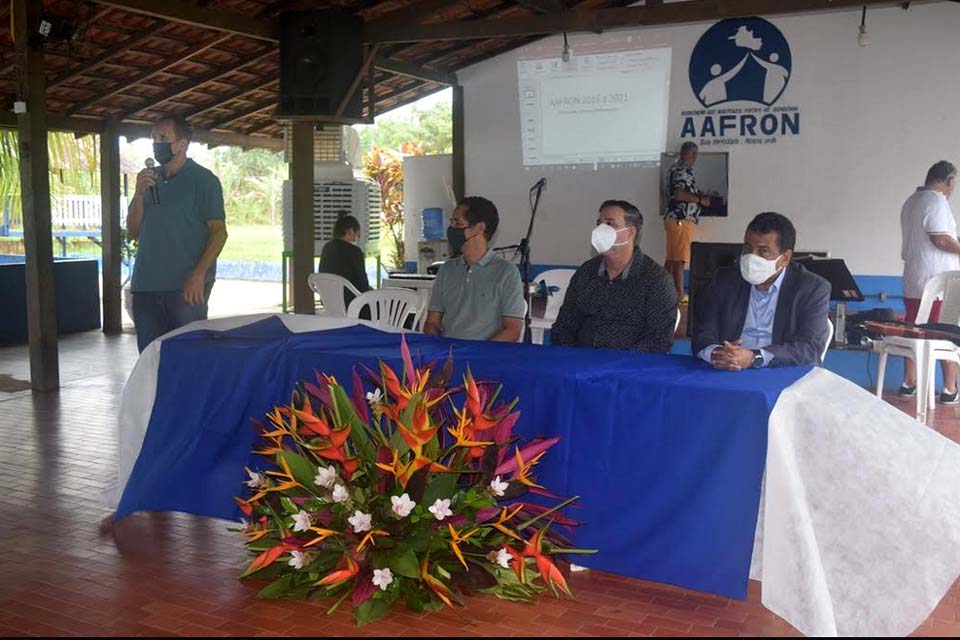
[739, 69]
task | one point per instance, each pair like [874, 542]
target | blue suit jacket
[799, 326]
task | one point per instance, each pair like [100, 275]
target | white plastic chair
[330, 288]
[926, 353]
[552, 278]
[389, 307]
[826, 345]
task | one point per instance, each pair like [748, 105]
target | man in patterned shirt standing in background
[682, 214]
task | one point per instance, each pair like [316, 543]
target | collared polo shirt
[474, 299]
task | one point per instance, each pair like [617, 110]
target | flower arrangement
[415, 491]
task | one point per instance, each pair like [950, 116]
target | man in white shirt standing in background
[930, 247]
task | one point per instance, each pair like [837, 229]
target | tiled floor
[172, 574]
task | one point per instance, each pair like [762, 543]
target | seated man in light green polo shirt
[477, 295]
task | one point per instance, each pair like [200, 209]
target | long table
[668, 455]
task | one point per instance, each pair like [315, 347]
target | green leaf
[398, 444]
[403, 562]
[288, 505]
[372, 609]
[276, 589]
[302, 469]
[406, 418]
[419, 540]
[443, 485]
[361, 435]
[548, 512]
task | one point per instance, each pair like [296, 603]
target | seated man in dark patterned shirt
[620, 299]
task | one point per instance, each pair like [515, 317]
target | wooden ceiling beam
[149, 73]
[86, 126]
[410, 13]
[600, 20]
[189, 13]
[543, 6]
[196, 83]
[120, 47]
[401, 68]
[239, 92]
[246, 113]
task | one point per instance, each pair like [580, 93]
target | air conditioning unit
[331, 144]
[331, 195]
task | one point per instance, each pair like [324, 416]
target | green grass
[259, 243]
[252, 243]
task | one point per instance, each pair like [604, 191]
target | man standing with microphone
[177, 215]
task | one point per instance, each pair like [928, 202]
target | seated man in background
[342, 257]
[621, 299]
[768, 312]
[477, 295]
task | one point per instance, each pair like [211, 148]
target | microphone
[153, 190]
[540, 184]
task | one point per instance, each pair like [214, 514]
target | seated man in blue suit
[768, 312]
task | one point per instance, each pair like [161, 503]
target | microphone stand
[524, 248]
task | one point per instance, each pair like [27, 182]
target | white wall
[873, 120]
[425, 180]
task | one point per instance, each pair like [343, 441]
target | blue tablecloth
[667, 454]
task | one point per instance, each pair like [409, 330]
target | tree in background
[252, 182]
[431, 128]
[386, 168]
[74, 169]
[422, 131]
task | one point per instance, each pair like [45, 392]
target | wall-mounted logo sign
[739, 69]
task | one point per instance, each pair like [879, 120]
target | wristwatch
[757, 359]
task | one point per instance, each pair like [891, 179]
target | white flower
[297, 559]
[402, 505]
[326, 477]
[374, 397]
[498, 486]
[340, 493]
[441, 509]
[301, 521]
[245, 524]
[360, 521]
[256, 480]
[503, 558]
[382, 578]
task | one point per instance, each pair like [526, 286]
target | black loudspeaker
[321, 52]
[705, 259]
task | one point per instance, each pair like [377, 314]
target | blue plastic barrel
[432, 219]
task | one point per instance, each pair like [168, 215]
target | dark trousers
[158, 312]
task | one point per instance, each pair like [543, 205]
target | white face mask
[757, 270]
[604, 237]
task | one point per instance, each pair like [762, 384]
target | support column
[459, 153]
[35, 189]
[301, 173]
[111, 215]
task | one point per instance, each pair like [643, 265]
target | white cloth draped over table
[859, 527]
